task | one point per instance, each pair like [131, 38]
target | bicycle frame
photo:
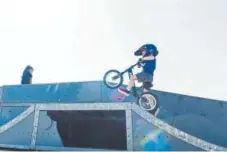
[130, 73]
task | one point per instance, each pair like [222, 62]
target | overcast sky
[78, 40]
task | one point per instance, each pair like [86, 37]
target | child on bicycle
[148, 53]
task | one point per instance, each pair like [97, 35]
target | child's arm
[151, 57]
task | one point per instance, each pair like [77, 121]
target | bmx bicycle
[113, 79]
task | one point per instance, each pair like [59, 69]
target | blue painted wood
[47, 132]
[203, 118]
[19, 134]
[62, 92]
[147, 137]
[9, 113]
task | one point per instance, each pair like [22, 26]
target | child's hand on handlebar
[140, 60]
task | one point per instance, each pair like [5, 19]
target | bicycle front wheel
[113, 79]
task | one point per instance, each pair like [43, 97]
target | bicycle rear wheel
[149, 102]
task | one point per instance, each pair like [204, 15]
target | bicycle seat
[147, 85]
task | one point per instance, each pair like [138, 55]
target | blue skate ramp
[83, 116]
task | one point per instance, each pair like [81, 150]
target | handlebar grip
[140, 60]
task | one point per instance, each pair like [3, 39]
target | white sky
[78, 40]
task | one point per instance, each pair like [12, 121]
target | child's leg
[131, 82]
[126, 91]
[140, 77]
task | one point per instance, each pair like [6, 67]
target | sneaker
[124, 91]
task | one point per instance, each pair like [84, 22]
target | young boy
[27, 75]
[148, 53]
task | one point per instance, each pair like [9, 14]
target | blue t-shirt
[150, 66]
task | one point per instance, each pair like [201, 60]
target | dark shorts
[146, 79]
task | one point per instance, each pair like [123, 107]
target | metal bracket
[35, 128]
[1, 102]
[129, 131]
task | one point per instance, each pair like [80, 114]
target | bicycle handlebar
[137, 64]
[131, 67]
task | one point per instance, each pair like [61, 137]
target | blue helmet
[149, 48]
